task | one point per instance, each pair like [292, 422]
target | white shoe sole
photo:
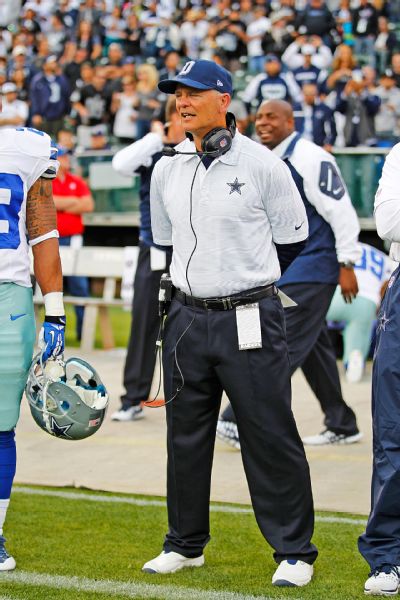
[189, 562]
[8, 565]
[116, 417]
[380, 593]
[351, 439]
[287, 583]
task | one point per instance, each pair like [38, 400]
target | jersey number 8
[11, 198]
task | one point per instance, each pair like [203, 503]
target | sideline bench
[101, 262]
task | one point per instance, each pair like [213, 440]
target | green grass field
[70, 549]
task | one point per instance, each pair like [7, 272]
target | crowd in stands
[91, 67]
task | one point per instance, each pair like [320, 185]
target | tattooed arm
[41, 219]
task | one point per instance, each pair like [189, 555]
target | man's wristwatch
[347, 265]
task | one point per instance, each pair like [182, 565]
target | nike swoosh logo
[15, 317]
[297, 227]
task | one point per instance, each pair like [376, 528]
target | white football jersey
[24, 156]
[373, 268]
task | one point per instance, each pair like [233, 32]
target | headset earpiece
[217, 141]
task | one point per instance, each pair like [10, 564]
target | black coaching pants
[141, 356]
[311, 349]
[258, 384]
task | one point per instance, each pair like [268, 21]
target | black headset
[215, 143]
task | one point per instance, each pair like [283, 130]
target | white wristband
[46, 236]
[53, 304]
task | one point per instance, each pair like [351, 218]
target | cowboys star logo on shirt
[235, 186]
[382, 322]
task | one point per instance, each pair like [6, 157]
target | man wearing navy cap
[235, 219]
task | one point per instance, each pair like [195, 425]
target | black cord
[191, 226]
[158, 351]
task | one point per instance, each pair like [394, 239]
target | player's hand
[159, 128]
[51, 337]
[37, 120]
[348, 284]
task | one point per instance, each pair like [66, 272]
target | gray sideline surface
[131, 457]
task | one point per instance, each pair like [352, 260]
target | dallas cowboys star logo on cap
[235, 186]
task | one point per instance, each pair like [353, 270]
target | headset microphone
[169, 151]
[215, 143]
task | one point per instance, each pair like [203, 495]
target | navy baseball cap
[202, 75]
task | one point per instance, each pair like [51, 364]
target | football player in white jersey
[372, 270]
[27, 218]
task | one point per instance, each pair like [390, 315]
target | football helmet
[67, 399]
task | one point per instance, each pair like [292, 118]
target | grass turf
[120, 321]
[112, 541]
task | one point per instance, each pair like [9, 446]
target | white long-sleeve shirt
[325, 190]
[293, 58]
[387, 202]
[138, 154]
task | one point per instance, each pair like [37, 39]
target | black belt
[228, 302]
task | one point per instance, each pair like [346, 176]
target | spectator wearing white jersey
[14, 112]
[255, 33]
[294, 58]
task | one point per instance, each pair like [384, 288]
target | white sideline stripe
[123, 588]
[346, 520]
[223, 508]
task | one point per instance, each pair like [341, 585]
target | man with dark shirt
[231, 37]
[317, 19]
[311, 279]
[140, 157]
[90, 102]
[315, 121]
[365, 29]
[49, 95]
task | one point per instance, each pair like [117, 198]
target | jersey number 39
[11, 198]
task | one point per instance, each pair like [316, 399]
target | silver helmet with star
[67, 399]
